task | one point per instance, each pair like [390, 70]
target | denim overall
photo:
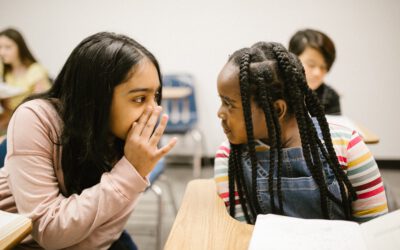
[300, 193]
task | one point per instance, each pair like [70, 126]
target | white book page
[383, 232]
[280, 232]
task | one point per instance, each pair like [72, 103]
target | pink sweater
[92, 220]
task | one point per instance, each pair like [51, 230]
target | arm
[221, 166]
[60, 221]
[365, 177]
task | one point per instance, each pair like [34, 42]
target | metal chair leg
[158, 192]
[198, 138]
[170, 192]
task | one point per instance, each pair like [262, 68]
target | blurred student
[20, 69]
[78, 156]
[317, 53]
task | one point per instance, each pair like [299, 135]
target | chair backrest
[3, 152]
[157, 170]
[181, 110]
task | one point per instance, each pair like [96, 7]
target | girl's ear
[280, 108]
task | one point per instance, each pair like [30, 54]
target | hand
[141, 145]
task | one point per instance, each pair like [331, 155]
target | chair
[3, 152]
[157, 174]
[180, 103]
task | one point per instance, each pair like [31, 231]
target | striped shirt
[356, 160]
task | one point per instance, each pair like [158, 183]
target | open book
[13, 229]
[282, 232]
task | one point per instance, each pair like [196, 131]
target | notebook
[13, 229]
[281, 232]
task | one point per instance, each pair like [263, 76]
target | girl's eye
[227, 104]
[139, 99]
[157, 96]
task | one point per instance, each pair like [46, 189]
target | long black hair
[82, 95]
[25, 56]
[269, 72]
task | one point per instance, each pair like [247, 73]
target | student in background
[317, 53]
[18, 68]
[282, 156]
[78, 155]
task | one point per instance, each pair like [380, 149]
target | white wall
[197, 37]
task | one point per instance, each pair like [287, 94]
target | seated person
[78, 155]
[18, 68]
[282, 156]
[317, 53]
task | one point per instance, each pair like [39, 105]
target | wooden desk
[368, 136]
[204, 223]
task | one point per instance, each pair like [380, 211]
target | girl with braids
[78, 156]
[282, 156]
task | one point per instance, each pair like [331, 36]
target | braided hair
[268, 72]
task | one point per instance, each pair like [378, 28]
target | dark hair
[82, 94]
[316, 40]
[25, 55]
[268, 72]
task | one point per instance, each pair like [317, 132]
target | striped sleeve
[365, 177]
[221, 165]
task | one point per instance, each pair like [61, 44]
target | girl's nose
[221, 115]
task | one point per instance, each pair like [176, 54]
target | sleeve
[35, 74]
[221, 165]
[365, 177]
[60, 221]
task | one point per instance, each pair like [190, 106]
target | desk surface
[204, 223]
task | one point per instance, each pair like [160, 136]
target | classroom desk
[203, 222]
[368, 136]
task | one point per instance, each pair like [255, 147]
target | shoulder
[35, 118]
[39, 107]
[223, 150]
[330, 91]
[221, 160]
[340, 130]
[36, 67]
[36, 70]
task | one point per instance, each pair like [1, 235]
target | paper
[275, 232]
[13, 228]
[7, 91]
[383, 232]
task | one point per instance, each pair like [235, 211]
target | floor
[143, 224]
